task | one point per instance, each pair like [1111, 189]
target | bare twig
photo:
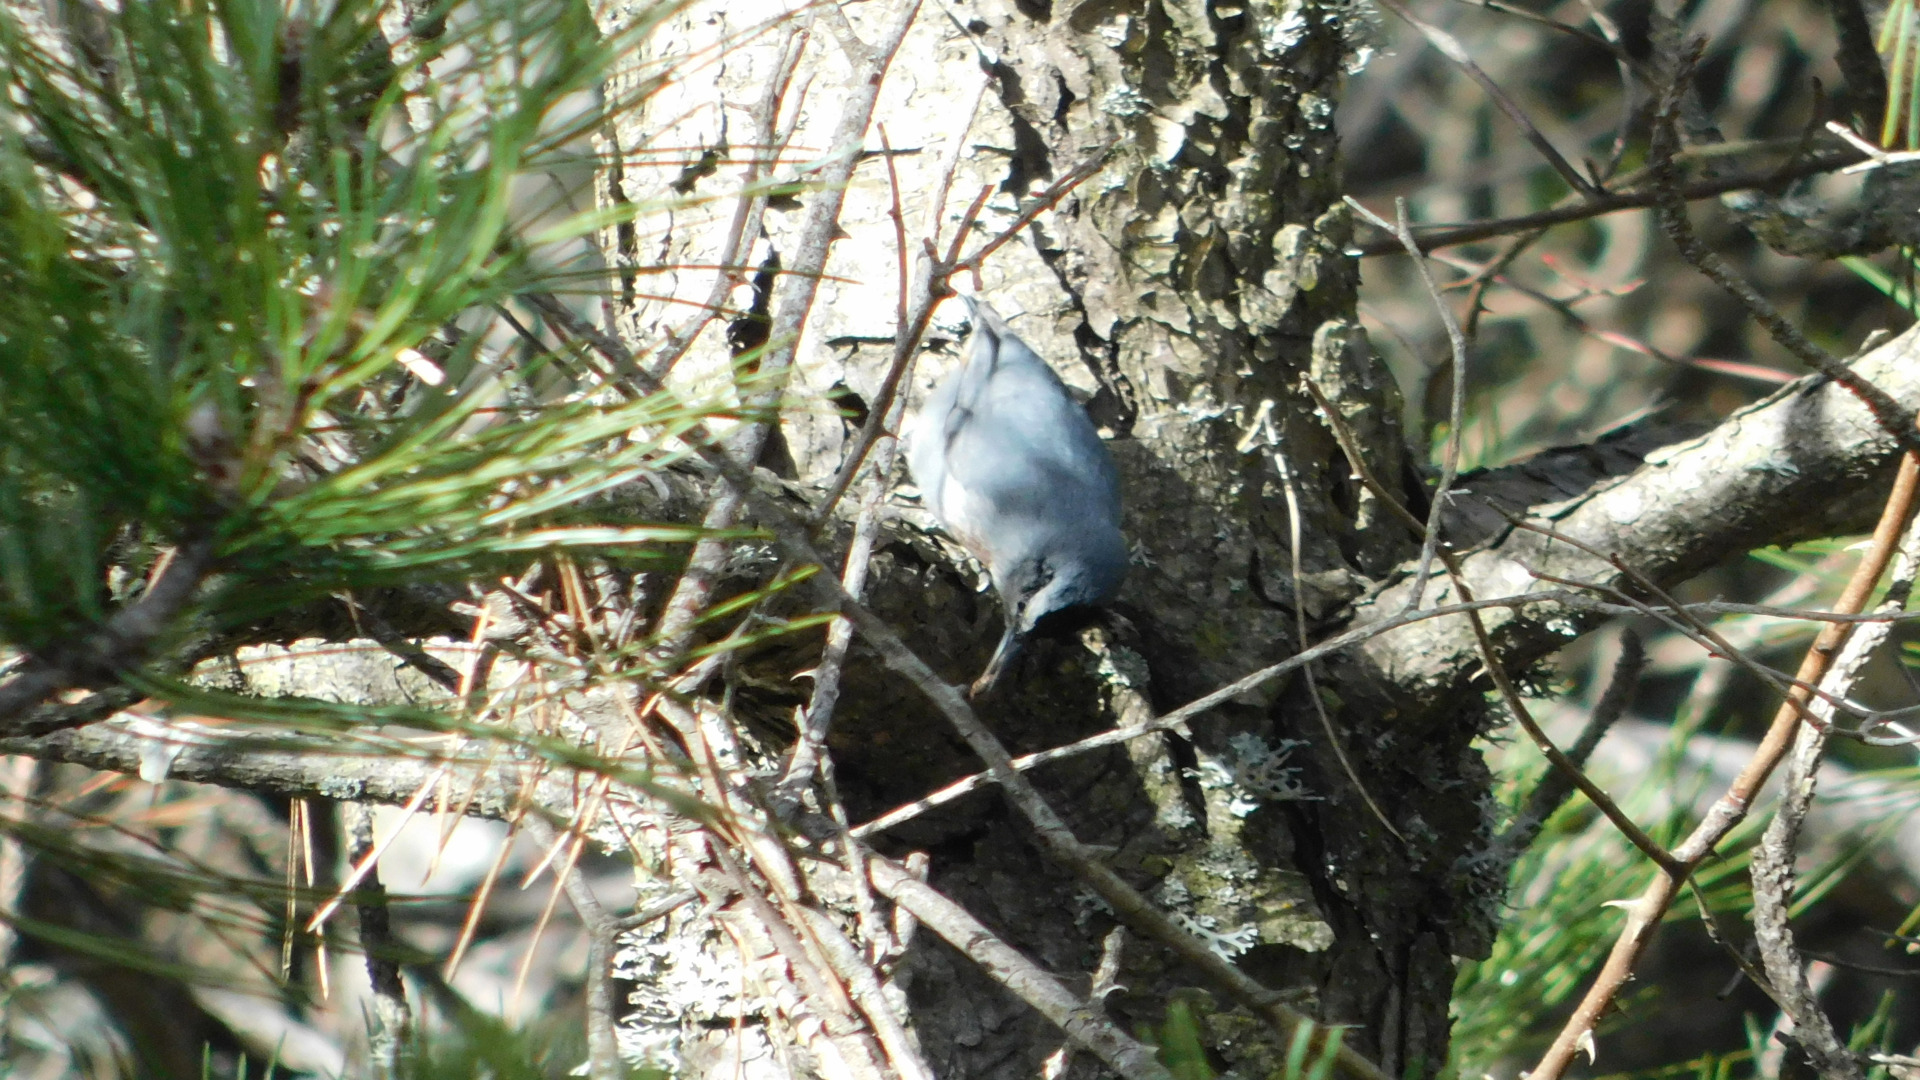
[1451, 48]
[659, 909]
[1105, 981]
[1263, 433]
[1178, 718]
[868, 993]
[1175, 720]
[826, 994]
[1439, 236]
[1493, 274]
[1484, 278]
[818, 717]
[1645, 913]
[1562, 764]
[1742, 958]
[1457, 403]
[1897, 419]
[907, 336]
[390, 1034]
[816, 720]
[408, 650]
[817, 233]
[1629, 70]
[1489, 660]
[603, 1045]
[1675, 615]
[1080, 1020]
[1773, 860]
[1553, 789]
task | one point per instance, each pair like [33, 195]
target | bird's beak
[1003, 657]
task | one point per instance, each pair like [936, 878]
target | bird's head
[1037, 588]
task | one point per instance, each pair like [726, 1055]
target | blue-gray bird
[1010, 464]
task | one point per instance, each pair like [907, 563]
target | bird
[1011, 465]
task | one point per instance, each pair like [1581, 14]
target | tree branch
[98, 659]
[1688, 506]
[1773, 860]
[1644, 914]
[1439, 236]
[1081, 1020]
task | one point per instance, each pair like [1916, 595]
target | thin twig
[1742, 958]
[695, 587]
[390, 1027]
[1175, 720]
[409, 651]
[826, 995]
[1645, 913]
[1263, 429]
[1564, 765]
[1493, 274]
[1681, 619]
[1895, 418]
[1080, 1020]
[818, 717]
[1439, 236]
[1774, 858]
[1449, 46]
[1630, 70]
[1457, 403]
[603, 1044]
[868, 994]
[1491, 661]
[1553, 789]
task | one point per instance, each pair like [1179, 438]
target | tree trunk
[1188, 287]
[1165, 180]
[1192, 287]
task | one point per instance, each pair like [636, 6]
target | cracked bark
[1195, 281]
[1191, 284]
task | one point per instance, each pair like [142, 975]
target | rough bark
[1188, 289]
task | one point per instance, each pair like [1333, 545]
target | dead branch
[1645, 913]
[390, 1031]
[1896, 418]
[1773, 861]
[1433, 237]
[98, 658]
[1080, 1020]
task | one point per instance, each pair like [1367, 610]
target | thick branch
[287, 766]
[1792, 466]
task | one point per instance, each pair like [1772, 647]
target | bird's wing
[927, 441]
[1028, 449]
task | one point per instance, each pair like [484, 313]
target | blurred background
[1579, 329]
